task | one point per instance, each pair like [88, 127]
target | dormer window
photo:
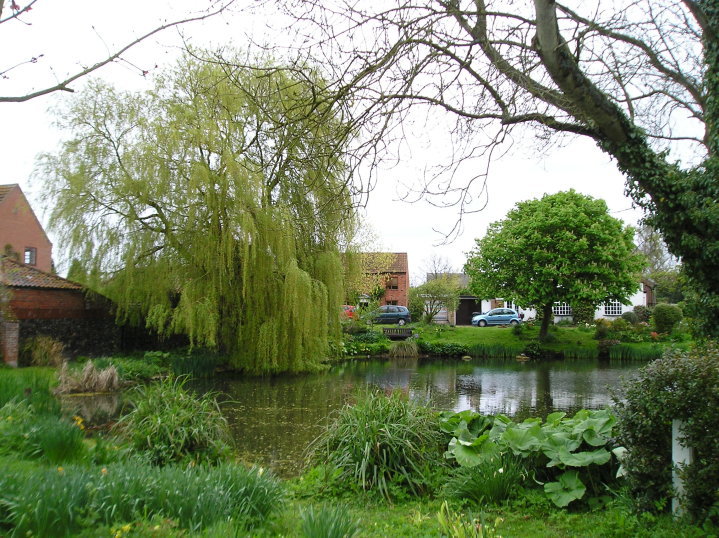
[30, 256]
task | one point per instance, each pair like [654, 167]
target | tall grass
[62, 501]
[404, 349]
[382, 442]
[328, 522]
[495, 351]
[170, 424]
[494, 480]
[625, 352]
[32, 385]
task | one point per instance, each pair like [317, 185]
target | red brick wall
[9, 341]
[20, 228]
[400, 294]
[48, 304]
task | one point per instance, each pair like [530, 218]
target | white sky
[74, 34]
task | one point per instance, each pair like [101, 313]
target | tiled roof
[399, 262]
[4, 189]
[18, 275]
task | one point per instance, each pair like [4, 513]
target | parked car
[348, 311]
[392, 314]
[496, 316]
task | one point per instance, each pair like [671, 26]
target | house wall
[401, 293]
[39, 303]
[20, 228]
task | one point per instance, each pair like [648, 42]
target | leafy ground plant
[170, 424]
[328, 522]
[562, 452]
[383, 442]
[492, 481]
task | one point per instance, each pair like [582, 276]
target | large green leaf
[569, 488]
[523, 438]
[584, 459]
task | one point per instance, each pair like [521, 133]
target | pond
[274, 419]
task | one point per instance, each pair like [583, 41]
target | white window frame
[561, 309]
[613, 308]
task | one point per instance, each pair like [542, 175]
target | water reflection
[274, 419]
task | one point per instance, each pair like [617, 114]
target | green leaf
[569, 488]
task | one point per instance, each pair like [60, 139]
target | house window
[30, 255]
[393, 283]
[561, 309]
[392, 303]
[613, 308]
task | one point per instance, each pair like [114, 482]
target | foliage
[215, 204]
[61, 501]
[493, 480]
[89, 379]
[666, 316]
[131, 369]
[583, 312]
[366, 271]
[670, 285]
[383, 443]
[630, 317]
[171, 425]
[31, 385]
[435, 294]
[455, 525]
[680, 386]
[644, 313]
[563, 247]
[42, 350]
[564, 453]
[328, 522]
[404, 349]
[443, 349]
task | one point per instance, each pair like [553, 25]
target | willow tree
[212, 206]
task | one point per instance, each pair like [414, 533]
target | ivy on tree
[563, 247]
[212, 206]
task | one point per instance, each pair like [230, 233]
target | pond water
[273, 420]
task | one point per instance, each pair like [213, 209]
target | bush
[383, 443]
[170, 424]
[630, 317]
[89, 379]
[602, 330]
[684, 386]
[665, 316]
[643, 313]
[404, 349]
[42, 351]
[583, 313]
[446, 349]
[492, 481]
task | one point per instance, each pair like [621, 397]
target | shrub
[644, 313]
[170, 424]
[630, 317]
[684, 386]
[382, 443]
[665, 316]
[446, 349]
[42, 351]
[583, 313]
[328, 522]
[620, 325]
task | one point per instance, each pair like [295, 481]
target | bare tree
[638, 77]
[11, 12]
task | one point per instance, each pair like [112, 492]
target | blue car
[496, 316]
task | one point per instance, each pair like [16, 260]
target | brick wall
[9, 341]
[401, 293]
[20, 228]
[92, 337]
[39, 303]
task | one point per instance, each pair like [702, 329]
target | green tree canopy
[562, 247]
[211, 206]
[441, 291]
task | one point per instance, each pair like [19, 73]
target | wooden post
[681, 457]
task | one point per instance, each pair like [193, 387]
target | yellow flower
[104, 470]
[60, 470]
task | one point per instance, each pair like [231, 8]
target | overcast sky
[73, 34]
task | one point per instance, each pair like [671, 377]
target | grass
[33, 385]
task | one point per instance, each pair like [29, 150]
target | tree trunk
[546, 320]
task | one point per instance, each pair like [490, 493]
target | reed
[404, 349]
[328, 522]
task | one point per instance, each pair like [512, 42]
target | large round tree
[212, 206]
[563, 247]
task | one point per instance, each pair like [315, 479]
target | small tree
[437, 293]
[562, 247]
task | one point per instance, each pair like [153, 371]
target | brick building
[394, 274]
[22, 237]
